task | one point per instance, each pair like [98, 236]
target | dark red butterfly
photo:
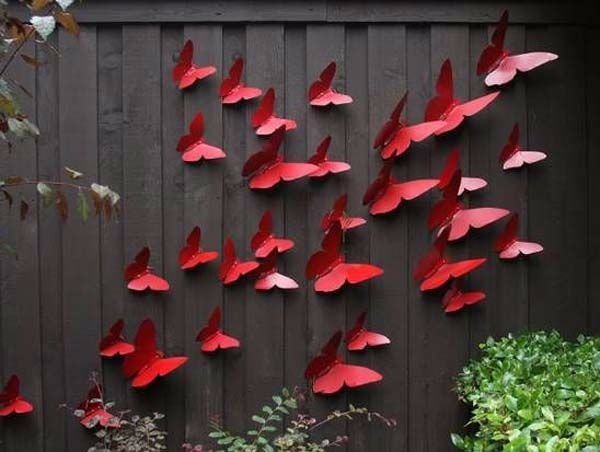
[321, 93]
[186, 73]
[325, 165]
[264, 241]
[337, 215]
[94, 411]
[139, 275]
[450, 214]
[507, 245]
[359, 338]
[328, 266]
[212, 336]
[499, 65]
[385, 194]
[513, 156]
[192, 146]
[445, 107]
[269, 277]
[434, 269]
[192, 255]
[147, 363]
[114, 343]
[466, 183]
[329, 373]
[263, 118]
[395, 137]
[232, 90]
[231, 268]
[11, 400]
[266, 167]
[454, 299]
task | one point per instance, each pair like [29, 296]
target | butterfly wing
[219, 341]
[450, 270]
[476, 218]
[201, 150]
[233, 81]
[159, 368]
[293, 171]
[395, 193]
[145, 349]
[148, 281]
[240, 269]
[184, 63]
[264, 110]
[341, 375]
[320, 86]
[493, 53]
[195, 73]
[275, 280]
[391, 126]
[508, 67]
[460, 300]
[331, 97]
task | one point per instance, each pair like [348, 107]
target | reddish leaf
[62, 206]
[13, 180]
[67, 20]
[24, 210]
[8, 197]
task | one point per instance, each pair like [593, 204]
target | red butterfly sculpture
[454, 299]
[450, 214]
[499, 65]
[325, 165]
[395, 137]
[12, 401]
[264, 241]
[328, 266]
[466, 183]
[329, 373]
[147, 363]
[192, 146]
[94, 410]
[337, 215]
[114, 343]
[507, 245]
[269, 277]
[385, 194]
[231, 268]
[186, 73]
[267, 168]
[139, 275]
[445, 107]
[192, 255]
[212, 337]
[232, 90]
[321, 94]
[263, 119]
[359, 338]
[435, 269]
[512, 156]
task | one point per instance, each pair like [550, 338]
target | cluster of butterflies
[328, 372]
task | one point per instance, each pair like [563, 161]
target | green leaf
[22, 128]
[83, 208]
[457, 441]
[216, 434]
[258, 419]
[278, 400]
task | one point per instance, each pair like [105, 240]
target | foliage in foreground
[281, 426]
[534, 392]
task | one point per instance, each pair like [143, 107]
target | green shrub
[535, 392]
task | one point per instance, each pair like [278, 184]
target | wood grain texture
[108, 107]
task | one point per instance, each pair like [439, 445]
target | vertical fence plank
[81, 254]
[110, 168]
[418, 56]
[50, 255]
[295, 308]
[387, 65]
[235, 122]
[506, 307]
[142, 193]
[326, 313]
[20, 291]
[556, 124]
[176, 339]
[264, 311]
[203, 203]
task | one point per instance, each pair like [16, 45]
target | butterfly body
[321, 94]
[192, 146]
[454, 299]
[359, 338]
[192, 255]
[212, 336]
[265, 121]
[509, 247]
[139, 275]
[513, 156]
[114, 343]
[232, 90]
[264, 242]
[11, 400]
[269, 277]
[338, 215]
[329, 373]
[231, 268]
[186, 73]
[325, 165]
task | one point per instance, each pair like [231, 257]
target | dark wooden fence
[107, 106]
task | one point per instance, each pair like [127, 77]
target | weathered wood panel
[108, 107]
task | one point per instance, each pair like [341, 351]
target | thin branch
[50, 183]
[16, 51]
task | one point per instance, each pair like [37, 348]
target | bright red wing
[113, 343]
[395, 193]
[379, 185]
[476, 218]
[11, 399]
[450, 270]
[159, 368]
[341, 375]
[145, 349]
[433, 259]
[358, 337]
[492, 54]
[281, 245]
[199, 151]
[218, 341]
[328, 167]
[391, 126]
[341, 273]
[191, 255]
[282, 171]
[148, 281]
[451, 166]
[232, 90]
[139, 265]
[404, 136]
[509, 234]
[233, 81]
[445, 85]
[273, 123]
[331, 97]
[185, 72]
[324, 360]
[267, 156]
[474, 106]
[264, 110]
[263, 242]
[454, 299]
[321, 85]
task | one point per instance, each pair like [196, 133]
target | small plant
[534, 392]
[298, 434]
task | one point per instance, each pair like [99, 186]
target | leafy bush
[535, 392]
[297, 433]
